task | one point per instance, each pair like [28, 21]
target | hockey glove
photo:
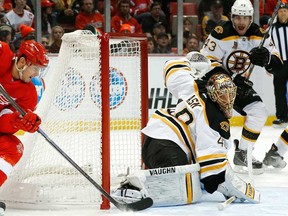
[260, 56]
[30, 122]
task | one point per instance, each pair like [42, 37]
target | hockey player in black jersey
[234, 46]
[188, 145]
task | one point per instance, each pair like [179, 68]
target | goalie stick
[266, 35]
[135, 206]
[226, 203]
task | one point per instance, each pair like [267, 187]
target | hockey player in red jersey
[234, 46]
[15, 77]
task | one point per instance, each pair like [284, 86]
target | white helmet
[199, 64]
[242, 8]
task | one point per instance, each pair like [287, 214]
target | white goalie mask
[222, 90]
[199, 64]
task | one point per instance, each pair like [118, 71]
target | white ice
[273, 186]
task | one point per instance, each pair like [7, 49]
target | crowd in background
[154, 18]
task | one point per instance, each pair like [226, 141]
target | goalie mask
[222, 90]
[199, 64]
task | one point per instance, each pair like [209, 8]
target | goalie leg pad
[166, 186]
[235, 186]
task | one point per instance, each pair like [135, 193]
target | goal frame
[105, 100]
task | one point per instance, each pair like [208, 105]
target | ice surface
[273, 186]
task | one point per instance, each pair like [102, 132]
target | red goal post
[94, 106]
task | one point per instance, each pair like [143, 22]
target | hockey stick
[266, 34]
[136, 206]
[226, 203]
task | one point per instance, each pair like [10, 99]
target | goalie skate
[240, 161]
[272, 158]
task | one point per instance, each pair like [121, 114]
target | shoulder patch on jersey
[219, 29]
[262, 30]
[225, 126]
[223, 31]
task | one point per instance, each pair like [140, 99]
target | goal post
[94, 106]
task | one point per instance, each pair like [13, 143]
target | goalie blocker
[179, 185]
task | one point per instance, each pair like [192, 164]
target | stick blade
[136, 206]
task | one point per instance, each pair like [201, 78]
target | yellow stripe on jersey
[255, 37]
[211, 157]
[189, 188]
[212, 162]
[218, 166]
[173, 66]
[180, 128]
[233, 37]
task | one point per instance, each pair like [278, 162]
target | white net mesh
[71, 114]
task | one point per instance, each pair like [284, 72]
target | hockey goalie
[185, 148]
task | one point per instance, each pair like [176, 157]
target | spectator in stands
[214, 19]
[77, 8]
[150, 44]
[5, 6]
[192, 44]
[158, 28]
[26, 33]
[48, 21]
[3, 19]
[155, 15]
[88, 15]
[19, 15]
[65, 14]
[162, 44]
[123, 17]
[270, 6]
[55, 39]
[227, 5]
[187, 32]
[45, 42]
[7, 35]
[140, 6]
[125, 29]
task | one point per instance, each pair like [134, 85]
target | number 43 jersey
[196, 124]
[225, 47]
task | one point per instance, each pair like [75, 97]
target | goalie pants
[158, 153]
[162, 153]
[11, 150]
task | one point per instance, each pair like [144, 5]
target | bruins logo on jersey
[219, 29]
[262, 30]
[224, 126]
[238, 62]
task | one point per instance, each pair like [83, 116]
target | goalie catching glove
[260, 56]
[199, 64]
[29, 123]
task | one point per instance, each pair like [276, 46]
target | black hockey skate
[240, 161]
[2, 208]
[272, 158]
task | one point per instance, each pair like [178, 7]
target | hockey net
[76, 116]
